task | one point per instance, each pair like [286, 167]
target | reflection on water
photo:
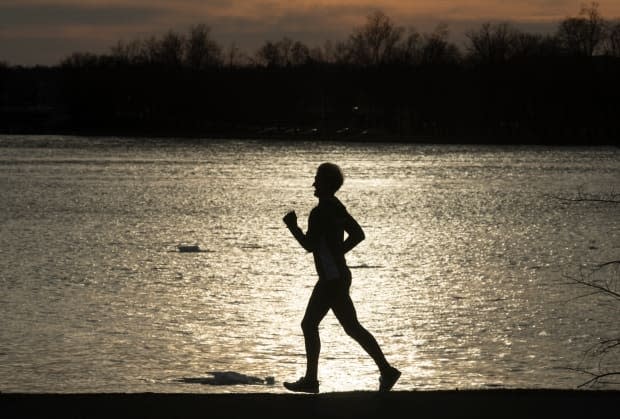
[460, 277]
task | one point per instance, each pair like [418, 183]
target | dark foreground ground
[432, 404]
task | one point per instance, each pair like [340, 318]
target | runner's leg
[343, 309]
[317, 308]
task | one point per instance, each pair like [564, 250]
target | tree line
[380, 41]
[382, 81]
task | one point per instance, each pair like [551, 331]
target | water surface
[461, 277]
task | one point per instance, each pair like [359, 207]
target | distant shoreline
[410, 404]
[557, 100]
[352, 137]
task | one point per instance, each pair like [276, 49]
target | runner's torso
[326, 231]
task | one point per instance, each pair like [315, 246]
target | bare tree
[149, 51]
[318, 55]
[234, 57]
[436, 49]
[492, 43]
[126, 52]
[324, 53]
[535, 45]
[166, 51]
[612, 40]
[285, 45]
[376, 41]
[170, 49]
[283, 53]
[197, 50]
[583, 35]
[269, 55]
[409, 50]
[80, 60]
[200, 50]
[300, 54]
[341, 53]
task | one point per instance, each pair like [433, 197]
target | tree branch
[611, 262]
[595, 377]
[607, 198]
[607, 285]
[600, 289]
[607, 201]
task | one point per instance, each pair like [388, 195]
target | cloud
[45, 50]
[60, 25]
[65, 14]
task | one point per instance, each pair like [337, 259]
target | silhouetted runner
[325, 239]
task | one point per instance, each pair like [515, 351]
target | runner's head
[328, 179]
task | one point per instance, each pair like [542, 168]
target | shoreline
[501, 403]
[293, 135]
[342, 139]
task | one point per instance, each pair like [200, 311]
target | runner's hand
[290, 219]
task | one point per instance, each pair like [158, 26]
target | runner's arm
[302, 238]
[305, 240]
[354, 232]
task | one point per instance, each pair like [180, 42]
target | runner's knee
[354, 329]
[309, 325]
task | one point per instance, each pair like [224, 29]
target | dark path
[433, 404]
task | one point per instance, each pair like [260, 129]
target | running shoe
[303, 385]
[388, 379]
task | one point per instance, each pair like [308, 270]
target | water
[461, 277]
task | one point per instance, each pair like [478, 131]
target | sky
[43, 32]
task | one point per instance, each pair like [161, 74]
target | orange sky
[45, 31]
